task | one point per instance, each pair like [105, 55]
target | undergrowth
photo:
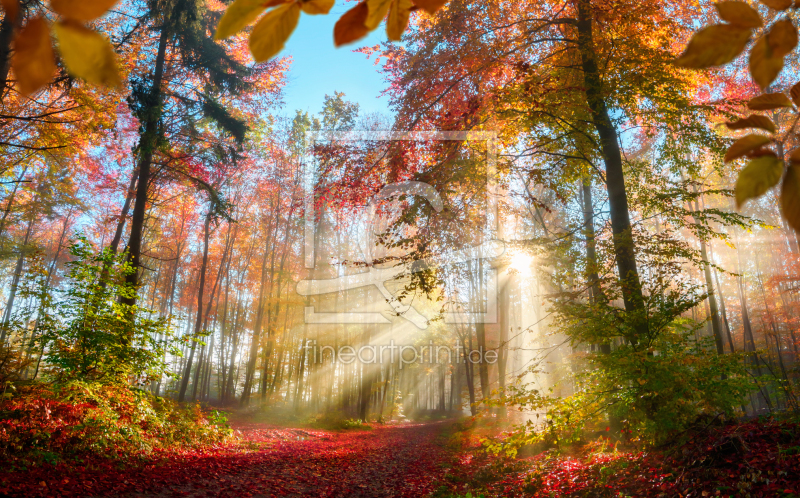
[84, 421]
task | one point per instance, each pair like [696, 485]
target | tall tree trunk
[147, 145]
[126, 206]
[14, 284]
[7, 29]
[199, 321]
[622, 236]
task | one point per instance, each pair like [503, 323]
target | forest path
[387, 461]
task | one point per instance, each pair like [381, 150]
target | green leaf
[760, 175]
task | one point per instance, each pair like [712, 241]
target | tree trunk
[147, 146]
[199, 321]
[622, 236]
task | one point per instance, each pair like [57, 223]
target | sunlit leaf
[430, 6]
[778, 4]
[81, 10]
[769, 101]
[87, 54]
[398, 19]
[34, 61]
[350, 27]
[764, 64]
[760, 175]
[714, 46]
[10, 7]
[377, 12]
[270, 34]
[790, 197]
[237, 16]
[744, 145]
[317, 6]
[739, 13]
[752, 121]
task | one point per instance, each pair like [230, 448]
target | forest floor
[394, 460]
[758, 458]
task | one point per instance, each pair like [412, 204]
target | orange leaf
[752, 121]
[714, 46]
[81, 10]
[397, 22]
[739, 13]
[317, 6]
[270, 34]
[782, 37]
[764, 63]
[33, 61]
[778, 4]
[744, 145]
[430, 6]
[768, 101]
[11, 8]
[790, 197]
[795, 93]
[86, 53]
[350, 27]
[237, 16]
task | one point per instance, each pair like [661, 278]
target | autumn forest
[565, 261]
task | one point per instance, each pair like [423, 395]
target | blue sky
[319, 69]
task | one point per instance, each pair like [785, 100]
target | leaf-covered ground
[755, 459]
[760, 458]
[387, 461]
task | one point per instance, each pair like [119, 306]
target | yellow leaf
[11, 8]
[81, 10]
[778, 4]
[33, 61]
[377, 12]
[745, 145]
[430, 6]
[350, 27]
[764, 64]
[87, 54]
[795, 94]
[270, 34]
[398, 19]
[768, 101]
[739, 13]
[760, 175]
[237, 16]
[790, 197]
[317, 6]
[714, 46]
[782, 37]
[752, 121]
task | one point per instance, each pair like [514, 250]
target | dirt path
[387, 461]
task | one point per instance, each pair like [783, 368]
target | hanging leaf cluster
[719, 44]
[86, 53]
[274, 28]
